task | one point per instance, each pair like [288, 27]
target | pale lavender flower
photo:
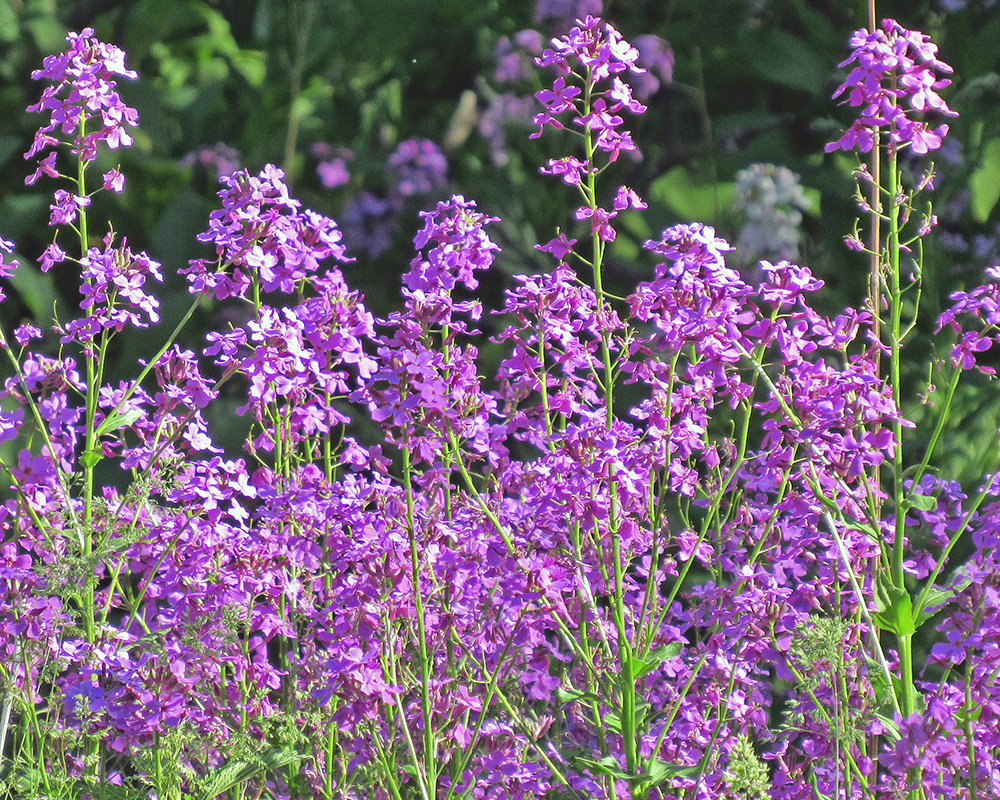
[420, 167]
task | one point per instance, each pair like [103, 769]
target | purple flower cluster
[602, 54]
[649, 559]
[418, 169]
[82, 92]
[893, 66]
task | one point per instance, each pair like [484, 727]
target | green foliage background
[752, 83]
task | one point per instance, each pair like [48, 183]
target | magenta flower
[895, 68]
[333, 173]
[83, 93]
[602, 53]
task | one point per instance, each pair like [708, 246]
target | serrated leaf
[236, 772]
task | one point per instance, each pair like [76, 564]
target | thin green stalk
[540, 751]
[845, 557]
[943, 414]
[430, 771]
[970, 744]
[626, 682]
[905, 640]
[491, 688]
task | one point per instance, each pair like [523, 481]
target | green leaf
[934, 597]
[90, 458]
[116, 421]
[688, 199]
[784, 59]
[572, 695]
[606, 766]
[895, 608]
[984, 183]
[659, 772]
[922, 502]
[236, 772]
[890, 725]
[643, 666]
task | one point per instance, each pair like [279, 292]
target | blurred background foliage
[332, 90]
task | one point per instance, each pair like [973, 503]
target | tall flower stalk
[896, 74]
[654, 558]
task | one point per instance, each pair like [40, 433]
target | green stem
[626, 682]
[429, 770]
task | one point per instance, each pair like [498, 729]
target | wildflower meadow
[683, 543]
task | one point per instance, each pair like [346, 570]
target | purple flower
[6, 267]
[10, 424]
[560, 247]
[66, 207]
[420, 167]
[894, 66]
[261, 237]
[657, 58]
[333, 173]
[603, 54]
[113, 291]
[460, 248]
[83, 93]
